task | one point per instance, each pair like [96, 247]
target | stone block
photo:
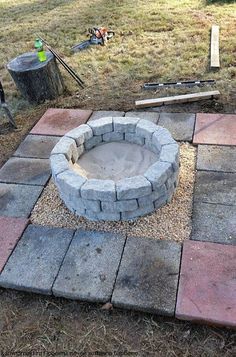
[70, 183]
[37, 146]
[146, 200]
[103, 190]
[125, 125]
[104, 216]
[113, 136]
[153, 117]
[141, 211]
[156, 148]
[25, 171]
[89, 269]
[91, 205]
[158, 173]
[18, 200]
[120, 206]
[101, 126]
[80, 134]
[36, 260]
[207, 284]
[170, 153]
[80, 150]
[105, 113]
[133, 187]
[146, 129]
[148, 276]
[162, 137]
[216, 158]
[214, 223]
[59, 163]
[67, 147]
[94, 141]
[161, 201]
[134, 139]
[180, 125]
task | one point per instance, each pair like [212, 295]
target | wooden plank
[176, 99]
[215, 52]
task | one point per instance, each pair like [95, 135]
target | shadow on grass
[220, 2]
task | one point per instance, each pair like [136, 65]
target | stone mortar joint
[129, 198]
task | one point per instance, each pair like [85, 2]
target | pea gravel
[172, 222]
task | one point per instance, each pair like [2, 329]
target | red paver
[60, 121]
[218, 129]
[11, 230]
[207, 287]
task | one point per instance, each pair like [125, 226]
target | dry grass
[155, 41]
[173, 221]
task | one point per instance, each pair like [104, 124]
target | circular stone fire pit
[116, 168]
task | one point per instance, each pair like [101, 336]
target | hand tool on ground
[4, 106]
[98, 36]
[177, 84]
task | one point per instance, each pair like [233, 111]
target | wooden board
[215, 52]
[176, 99]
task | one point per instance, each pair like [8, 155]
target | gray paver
[103, 190]
[153, 117]
[90, 266]
[25, 171]
[105, 113]
[216, 158]
[18, 200]
[35, 262]
[214, 223]
[102, 126]
[37, 146]
[133, 187]
[148, 276]
[215, 187]
[125, 125]
[180, 125]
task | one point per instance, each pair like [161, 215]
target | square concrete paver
[214, 223]
[90, 266]
[180, 125]
[25, 171]
[35, 262]
[37, 146]
[207, 287]
[148, 276]
[105, 113]
[216, 129]
[215, 187]
[11, 229]
[59, 121]
[151, 116]
[216, 158]
[18, 200]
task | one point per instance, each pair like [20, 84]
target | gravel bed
[172, 222]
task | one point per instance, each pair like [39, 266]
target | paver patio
[216, 158]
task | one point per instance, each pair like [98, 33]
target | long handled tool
[4, 105]
[63, 63]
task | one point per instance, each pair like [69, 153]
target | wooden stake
[215, 53]
[176, 99]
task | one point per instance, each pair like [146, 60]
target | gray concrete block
[160, 202]
[58, 163]
[120, 206]
[180, 125]
[216, 158]
[90, 266]
[158, 173]
[125, 125]
[102, 216]
[80, 150]
[35, 262]
[154, 147]
[133, 187]
[37, 146]
[67, 147]
[91, 205]
[80, 134]
[101, 126]
[141, 211]
[94, 141]
[170, 153]
[113, 136]
[103, 190]
[146, 200]
[215, 187]
[105, 113]
[146, 129]
[18, 200]
[133, 138]
[162, 137]
[214, 223]
[70, 183]
[150, 116]
[148, 276]
[25, 171]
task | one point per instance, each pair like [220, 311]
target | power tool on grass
[98, 36]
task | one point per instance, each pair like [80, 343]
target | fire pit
[116, 168]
